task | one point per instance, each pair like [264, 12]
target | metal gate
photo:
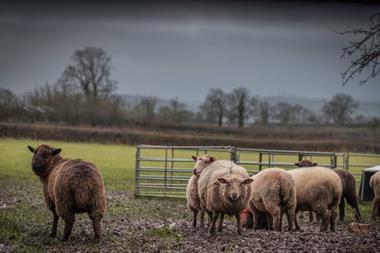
[163, 171]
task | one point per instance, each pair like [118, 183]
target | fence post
[260, 161]
[137, 171]
[347, 161]
[233, 155]
[333, 160]
[166, 172]
[270, 159]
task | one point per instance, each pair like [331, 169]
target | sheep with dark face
[223, 188]
[69, 187]
[192, 196]
[348, 190]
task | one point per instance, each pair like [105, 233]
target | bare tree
[340, 108]
[8, 104]
[91, 72]
[263, 112]
[238, 102]
[215, 106]
[175, 112]
[147, 107]
[364, 51]
[284, 113]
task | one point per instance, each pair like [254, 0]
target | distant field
[315, 138]
[131, 224]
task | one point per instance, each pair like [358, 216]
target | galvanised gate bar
[163, 171]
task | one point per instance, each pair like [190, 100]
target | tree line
[85, 94]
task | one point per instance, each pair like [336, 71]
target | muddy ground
[159, 225]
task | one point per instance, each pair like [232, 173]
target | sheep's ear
[297, 164]
[247, 181]
[212, 159]
[194, 157]
[222, 180]
[56, 151]
[314, 164]
[31, 149]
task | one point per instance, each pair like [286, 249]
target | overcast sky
[170, 50]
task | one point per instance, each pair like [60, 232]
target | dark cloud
[181, 50]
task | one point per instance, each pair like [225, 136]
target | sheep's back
[276, 182]
[316, 180]
[80, 183]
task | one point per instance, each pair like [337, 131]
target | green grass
[116, 162]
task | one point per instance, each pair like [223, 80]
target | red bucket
[246, 218]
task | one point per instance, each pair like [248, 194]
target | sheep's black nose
[234, 196]
[194, 171]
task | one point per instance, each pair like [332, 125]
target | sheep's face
[234, 188]
[306, 163]
[42, 158]
[201, 162]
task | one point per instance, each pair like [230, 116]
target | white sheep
[273, 192]
[223, 188]
[374, 182]
[192, 196]
[318, 189]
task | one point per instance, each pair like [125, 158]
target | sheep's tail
[285, 192]
[89, 193]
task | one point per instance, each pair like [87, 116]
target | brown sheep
[69, 187]
[223, 188]
[192, 196]
[318, 189]
[348, 194]
[273, 191]
[348, 190]
[374, 182]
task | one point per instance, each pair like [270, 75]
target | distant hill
[313, 104]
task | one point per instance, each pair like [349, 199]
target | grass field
[25, 221]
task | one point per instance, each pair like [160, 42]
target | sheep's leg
[332, 219]
[96, 217]
[324, 214]
[202, 224]
[269, 222]
[69, 222]
[215, 216]
[290, 216]
[296, 221]
[376, 208]
[55, 224]
[276, 217]
[257, 221]
[238, 223]
[195, 212]
[342, 205]
[220, 222]
[249, 220]
[311, 216]
[209, 218]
